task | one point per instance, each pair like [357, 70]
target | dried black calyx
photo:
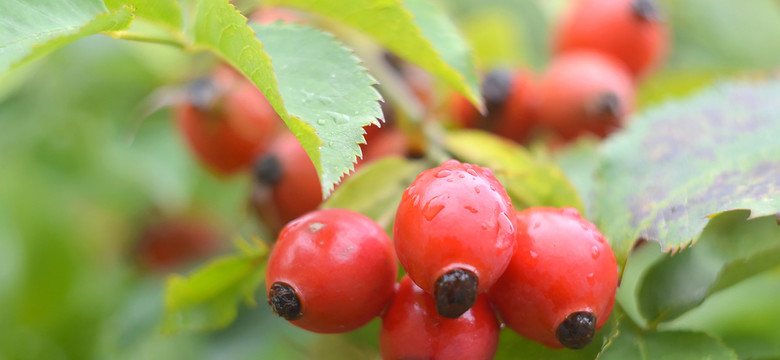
[577, 330]
[606, 104]
[495, 89]
[646, 10]
[284, 301]
[455, 292]
[268, 170]
[202, 93]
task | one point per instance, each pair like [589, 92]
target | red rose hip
[560, 286]
[331, 271]
[411, 328]
[584, 92]
[454, 233]
[226, 121]
[629, 30]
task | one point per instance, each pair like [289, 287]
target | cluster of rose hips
[548, 273]
[602, 48]
[232, 128]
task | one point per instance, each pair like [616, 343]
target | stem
[132, 36]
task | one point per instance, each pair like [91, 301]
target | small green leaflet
[675, 166]
[730, 250]
[323, 84]
[630, 342]
[375, 190]
[29, 29]
[208, 299]
[416, 30]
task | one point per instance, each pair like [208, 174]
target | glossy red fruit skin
[562, 264]
[340, 263]
[570, 89]
[456, 215]
[228, 137]
[411, 328]
[613, 27]
[298, 190]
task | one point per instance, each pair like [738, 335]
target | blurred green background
[82, 170]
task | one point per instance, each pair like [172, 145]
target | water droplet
[450, 180]
[432, 208]
[537, 225]
[476, 189]
[492, 188]
[471, 172]
[321, 121]
[485, 226]
[591, 279]
[570, 211]
[339, 118]
[315, 226]
[471, 209]
[529, 258]
[416, 200]
[451, 162]
[461, 175]
[504, 224]
[594, 252]
[442, 174]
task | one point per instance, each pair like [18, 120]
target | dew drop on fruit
[591, 279]
[471, 172]
[492, 188]
[442, 174]
[594, 252]
[537, 225]
[431, 208]
[530, 258]
[471, 209]
[485, 226]
[461, 176]
[505, 224]
[476, 189]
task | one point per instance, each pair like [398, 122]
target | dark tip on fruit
[284, 301]
[495, 88]
[577, 330]
[202, 93]
[455, 292]
[268, 170]
[646, 10]
[606, 104]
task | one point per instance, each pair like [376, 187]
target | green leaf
[729, 251]
[29, 29]
[675, 166]
[208, 298]
[416, 30]
[165, 12]
[630, 342]
[745, 316]
[323, 84]
[529, 182]
[578, 161]
[375, 190]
